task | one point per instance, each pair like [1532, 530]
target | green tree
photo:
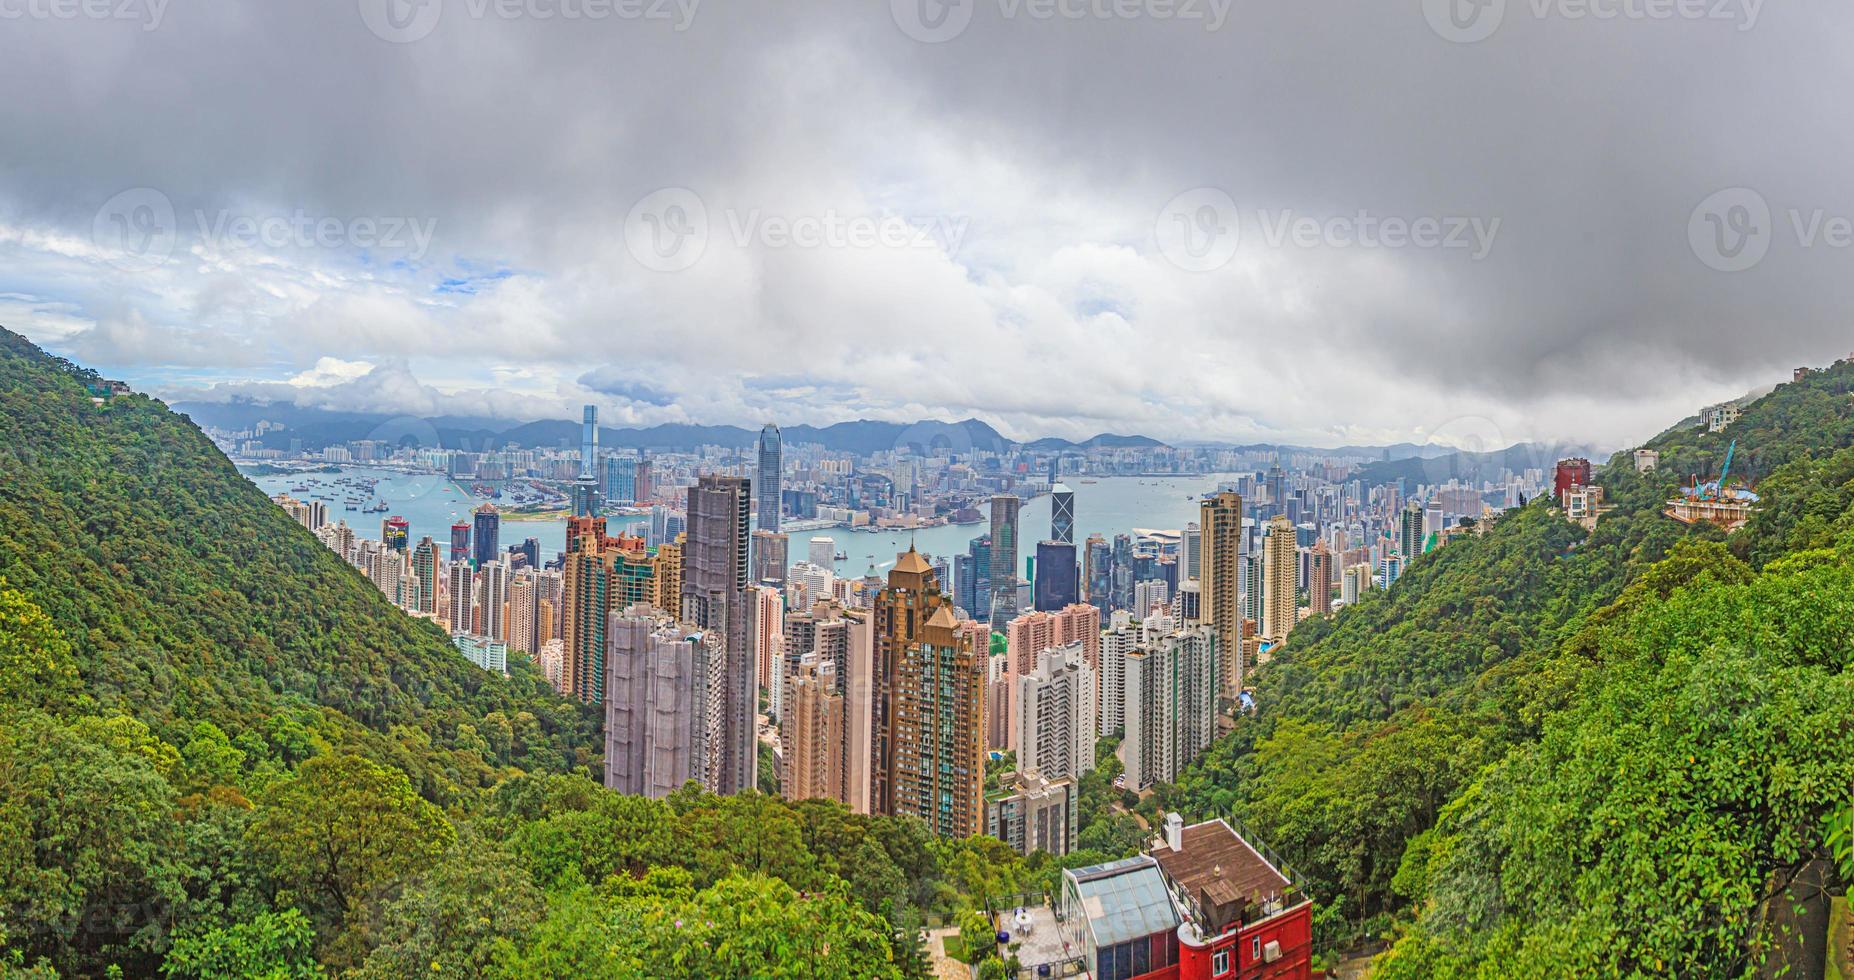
[271, 946]
[342, 830]
[89, 871]
[37, 668]
[454, 920]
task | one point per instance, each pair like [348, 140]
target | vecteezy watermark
[140, 229]
[148, 13]
[1732, 230]
[668, 230]
[1201, 229]
[934, 21]
[1468, 21]
[405, 21]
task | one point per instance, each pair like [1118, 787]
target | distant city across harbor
[431, 503]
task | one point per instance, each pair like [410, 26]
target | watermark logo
[667, 230]
[406, 21]
[1199, 230]
[932, 21]
[136, 229]
[148, 13]
[401, 21]
[1464, 21]
[1469, 21]
[1731, 230]
[139, 229]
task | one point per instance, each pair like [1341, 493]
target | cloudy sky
[1472, 220]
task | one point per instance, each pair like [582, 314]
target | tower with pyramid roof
[929, 706]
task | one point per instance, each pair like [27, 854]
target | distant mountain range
[317, 428]
[320, 427]
[1472, 468]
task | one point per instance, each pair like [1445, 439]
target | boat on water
[842, 556]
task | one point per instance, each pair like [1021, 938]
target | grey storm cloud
[1034, 146]
[623, 382]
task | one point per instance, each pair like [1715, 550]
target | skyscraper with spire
[586, 487]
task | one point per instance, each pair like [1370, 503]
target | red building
[1571, 473]
[1203, 905]
[1243, 917]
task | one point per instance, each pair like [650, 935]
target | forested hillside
[224, 754]
[1468, 760]
[189, 598]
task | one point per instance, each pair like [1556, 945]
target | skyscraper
[396, 533]
[1004, 510]
[587, 605]
[488, 535]
[620, 480]
[460, 542]
[928, 705]
[586, 488]
[460, 597]
[771, 485]
[769, 558]
[1220, 541]
[1062, 513]
[812, 733]
[1320, 579]
[1056, 576]
[975, 594]
[492, 596]
[426, 563]
[1057, 726]
[1280, 571]
[660, 705]
[1170, 705]
[522, 607]
[715, 597]
[1410, 531]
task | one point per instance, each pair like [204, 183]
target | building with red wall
[1243, 917]
[1204, 904]
[1571, 473]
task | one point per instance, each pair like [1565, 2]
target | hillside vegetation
[224, 754]
[1465, 760]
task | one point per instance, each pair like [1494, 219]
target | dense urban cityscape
[889, 692]
[925, 490]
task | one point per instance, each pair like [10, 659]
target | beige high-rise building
[813, 723]
[666, 584]
[769, 607]
[858, 683]
[1219, 589]
[522, 609]
[1320, 580]
[1280, 570]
